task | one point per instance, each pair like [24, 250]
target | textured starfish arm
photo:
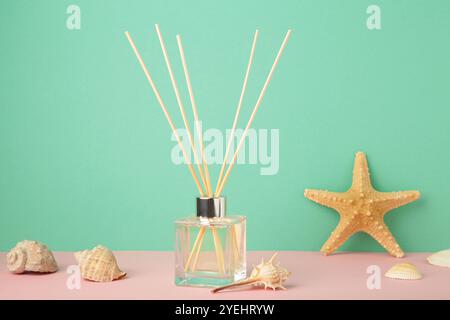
[361, 175]
[343, 231]
[380, 232]
[387, 201]
[326, 198]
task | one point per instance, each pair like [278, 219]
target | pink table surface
[151, 276]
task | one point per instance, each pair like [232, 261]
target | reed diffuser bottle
[210, 248]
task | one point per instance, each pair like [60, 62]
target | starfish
[362, 209]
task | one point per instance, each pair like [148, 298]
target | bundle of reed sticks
[204, 184]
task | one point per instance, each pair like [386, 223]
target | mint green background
[85, 149]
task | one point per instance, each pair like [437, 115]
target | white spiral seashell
[16, 260]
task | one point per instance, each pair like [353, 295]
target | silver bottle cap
[211, 207]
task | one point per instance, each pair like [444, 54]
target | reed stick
[238, 110]
[245, 282]
[196, 118]
[180, 104]
[235, 245]
[255, 110]
[197, 252]
[166, 113]
[195, 247]
[219, 251]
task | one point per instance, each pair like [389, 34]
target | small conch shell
[98, 264]
[441, 258]
[404, 271]
[265, 274]
[31, 256]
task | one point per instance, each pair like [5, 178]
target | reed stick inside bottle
[219, 251]
[195, 250]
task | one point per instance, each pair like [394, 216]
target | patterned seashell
[31, 256]
[99, 264]
[265, 274]
[270, 275]
[404, 271]
[441, 258]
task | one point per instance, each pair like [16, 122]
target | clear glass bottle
[210, 248]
